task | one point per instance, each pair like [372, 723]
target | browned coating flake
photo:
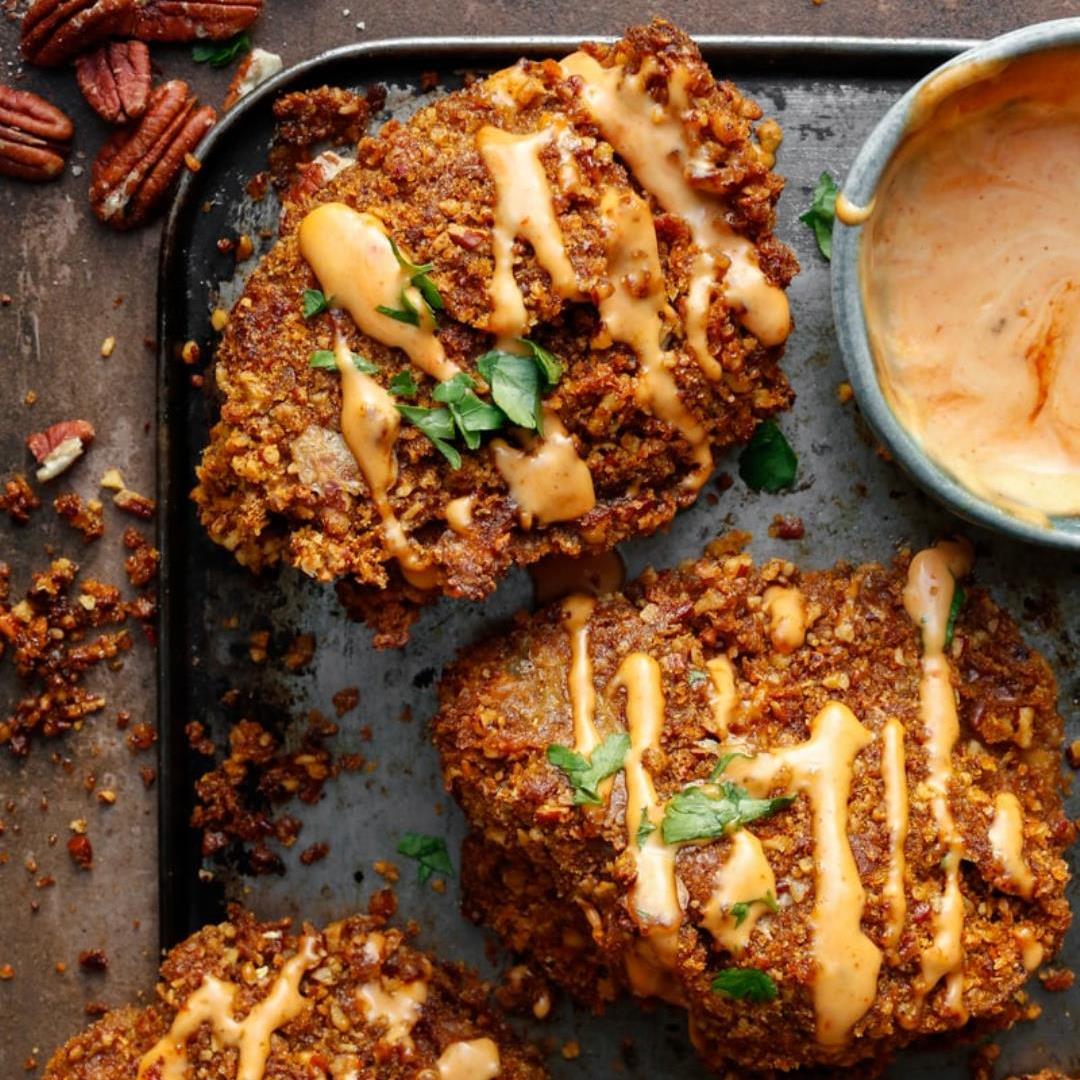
[141, 565]
[86, 517]
[277, 485]
[554, 880]
[19, 499]
[352, 954]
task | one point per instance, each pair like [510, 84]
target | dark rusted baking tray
[828, 94]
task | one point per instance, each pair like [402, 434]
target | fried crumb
[19, 499]
[314, 853]
[113, 480]
[81, 851]
[108, 346]
[844, 393]
[300, 652]
[86, 517]
[346, 699]
[141, 738]
[141, 566]
[148, 774]
[259, 641]
[131, 502]
[1072, 754]
[190, 353]
[387, 870]
[571, 1050]
[787, 527]
[94, 960]
[7, 972]
[31, 398]
[1057, 979]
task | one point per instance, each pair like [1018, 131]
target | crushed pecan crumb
[346, 699]
[19, 499]
[787, 527]
[81, 851]
[314, 853]
[133, 503]
[141, 565]
[86, 517]
[93, 960]
[301, 652]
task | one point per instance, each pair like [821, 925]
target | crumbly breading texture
[277, 483]
[535, 866]
[332, 1032]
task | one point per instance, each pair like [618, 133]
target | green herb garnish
[515, 386]
[221, 53]
[327, 360]
[418, 276]
[697, 678]
[403, 384]
[550, 366]
[438, 426]
[768, 463]
[407, 313]
[745, 984]
[471, 414]
[699, 814]
[429, 852]
[821, 213]
[959, 598]
[741, 908]
[315, 303]
[644, 829]
[585, 774]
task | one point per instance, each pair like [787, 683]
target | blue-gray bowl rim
[858, 187]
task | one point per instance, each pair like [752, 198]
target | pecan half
[34, 136]
[57, 448]
[186, 20]
[53, 31]
[115, 80]
[136, 168]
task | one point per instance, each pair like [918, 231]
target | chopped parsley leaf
[745, 984]
[697, 813]
[407, 313]
[586, 774]
[819, 217]
[959, 598]
[220, 54]
[515, 386]
[314, 303]
[741, 908]
[403, 384]
[724, 760]
[697, 678]
[438, 426]
[326, 359]
[768, 463]
[644, 829]
[430, 854]
[418, 276]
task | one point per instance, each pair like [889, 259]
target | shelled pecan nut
[34, 136]
[137, 167]
[53, 31]
[115, 80]
[188, 20]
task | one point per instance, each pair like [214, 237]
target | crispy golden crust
[535, 865]
[332, 1033]
[277, 483]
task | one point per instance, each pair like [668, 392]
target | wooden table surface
[72, 284]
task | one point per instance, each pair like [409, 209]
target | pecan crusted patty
[556, 880]
[277, 483]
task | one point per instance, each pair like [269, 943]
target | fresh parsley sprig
[407, 313]
[768, 463]
[438, 426]
[403, 384]
[471, 415]
[430, 854]
[741, 908]
[314, 303]
[586, 773]
[959, 598]
[220, 54]
[699, 813]
[418, 276]
[819, 217]
[745, 984]
[326, 359]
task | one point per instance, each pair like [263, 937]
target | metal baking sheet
[827, 94]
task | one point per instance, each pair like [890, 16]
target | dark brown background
[72, 285]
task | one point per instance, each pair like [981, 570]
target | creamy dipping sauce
[970, 268]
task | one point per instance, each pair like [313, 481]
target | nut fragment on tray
[821, 811]
[574, 299]
[253, 999]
